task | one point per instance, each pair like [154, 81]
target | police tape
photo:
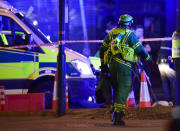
[157, 39]
[55, 43]
[86, 41]
[32, 45]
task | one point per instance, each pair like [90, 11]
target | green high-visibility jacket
[130, 40]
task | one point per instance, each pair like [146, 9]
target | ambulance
[31, 69]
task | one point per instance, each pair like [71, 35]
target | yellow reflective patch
[49, 56]
[16, 70]
[4, 39]
[122, 62]
[136, 45]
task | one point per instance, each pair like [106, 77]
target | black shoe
[117, 118]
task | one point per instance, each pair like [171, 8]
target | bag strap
[122, 45]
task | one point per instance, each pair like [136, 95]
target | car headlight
[166, 70]
[82, 67]
[163, 67]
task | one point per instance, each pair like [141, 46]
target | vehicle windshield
[33, 28]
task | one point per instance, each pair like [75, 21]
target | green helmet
[126, 20]
[176, 33]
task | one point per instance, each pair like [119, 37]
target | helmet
[176, 33]
[125, 20]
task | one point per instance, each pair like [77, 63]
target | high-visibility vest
[119, 45]
[176, 45]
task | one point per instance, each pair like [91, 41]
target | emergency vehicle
[32, 69]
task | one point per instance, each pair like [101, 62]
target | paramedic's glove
[105, 70]
[151, 63]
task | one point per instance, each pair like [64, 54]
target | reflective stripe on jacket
[176, 48]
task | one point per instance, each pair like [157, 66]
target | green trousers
[121, 77]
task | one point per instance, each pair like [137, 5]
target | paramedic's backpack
[120, 45]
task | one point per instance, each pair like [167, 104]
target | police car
[32, 69]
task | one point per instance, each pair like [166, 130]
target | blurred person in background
[174, 124]
[139, 31]
[141, 65]
[167, 72]
[176, 60]
[110, 25]
[157, 82]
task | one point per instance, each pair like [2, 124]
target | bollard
[67, 95]
[54, 102]
[2, 98]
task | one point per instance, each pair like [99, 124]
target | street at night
[147, 119]
[72, 65]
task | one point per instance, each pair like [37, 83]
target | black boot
[117, 118]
